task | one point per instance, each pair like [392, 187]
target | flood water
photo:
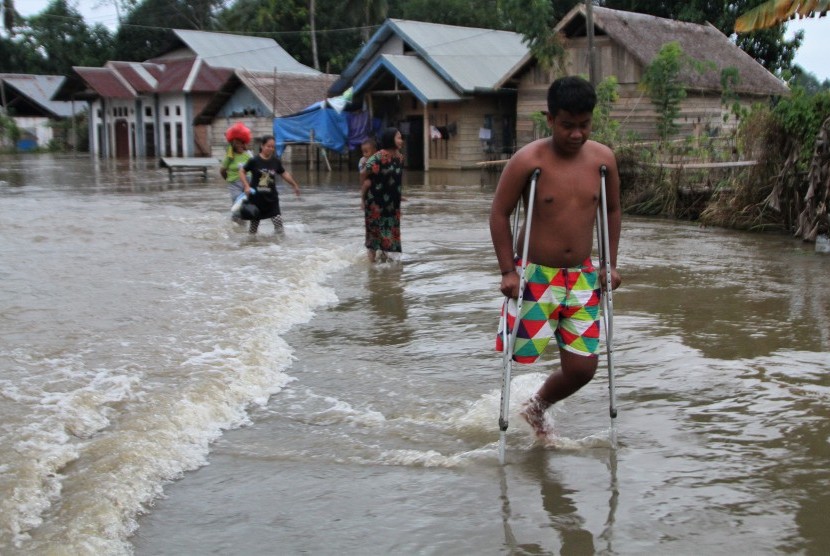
[169, 385]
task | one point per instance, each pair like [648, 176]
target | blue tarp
[330, 127]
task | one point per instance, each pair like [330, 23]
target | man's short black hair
[572, 94]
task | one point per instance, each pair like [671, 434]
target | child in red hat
[238, 136]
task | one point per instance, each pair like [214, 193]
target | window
[168, 150]
[179, 140]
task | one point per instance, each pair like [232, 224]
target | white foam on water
[419, 458]
[100, 442]
[53, 435]
[482, 414]
[480, 417]
[340, 411]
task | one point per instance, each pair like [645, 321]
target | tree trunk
[311, 10]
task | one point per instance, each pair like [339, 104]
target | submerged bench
[189, 165]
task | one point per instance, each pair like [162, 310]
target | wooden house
[443, 86]
[160, 107]
[624, 44]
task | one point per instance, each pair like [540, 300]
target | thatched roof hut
[625, 43]
[642, 36]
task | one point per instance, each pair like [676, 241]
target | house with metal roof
[449, 89]
[624, 44]
[158, 108]
[27, 99]
[462, 95]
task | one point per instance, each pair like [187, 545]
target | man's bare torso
[567, 193]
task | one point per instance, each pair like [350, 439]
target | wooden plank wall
[700, 113]
[465, 149]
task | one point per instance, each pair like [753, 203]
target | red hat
[238, 131]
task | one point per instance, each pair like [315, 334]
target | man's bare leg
[576, 372]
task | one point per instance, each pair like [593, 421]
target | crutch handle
[603, 170]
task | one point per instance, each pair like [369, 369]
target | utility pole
[589, 25]
[3, 97]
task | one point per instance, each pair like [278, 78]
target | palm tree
[367, 13]
[7, 7]
[773, 12]
[312, 9]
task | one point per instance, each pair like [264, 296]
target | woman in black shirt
[264, 169]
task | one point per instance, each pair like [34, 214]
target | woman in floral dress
[381, 196]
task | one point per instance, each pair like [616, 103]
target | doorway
[414, 143]
[122, 139]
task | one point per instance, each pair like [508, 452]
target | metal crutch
[604, 249]
[509, 341]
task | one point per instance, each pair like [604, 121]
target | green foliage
[9, 132]
[645, 188]
[18, 57]
[661, 82]
[54, 40]
[287, 22]
[69, 134]
[770, 48]
[742, 205]
[8, 15]
[540, 124]
[146, 30]
[486, 13]
[62, 39]
[729, 80]
[800, 117]
[798, 77]
[365, 14]
[534, 19]
[605, 129]
[773, 194]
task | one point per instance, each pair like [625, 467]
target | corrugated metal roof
[39, 90]
[203, 63]
[224, 50]
[415, 75]
[208, 79]
[470, 58]
[105, 82]
[175, 75]
[142, 77]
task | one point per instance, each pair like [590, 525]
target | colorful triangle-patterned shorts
[561, 302]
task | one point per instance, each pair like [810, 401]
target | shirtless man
[561, 279]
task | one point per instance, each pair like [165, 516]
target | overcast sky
[812, 56]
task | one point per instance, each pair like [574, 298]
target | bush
[9, 133]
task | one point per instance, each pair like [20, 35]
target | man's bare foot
[533, 411]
